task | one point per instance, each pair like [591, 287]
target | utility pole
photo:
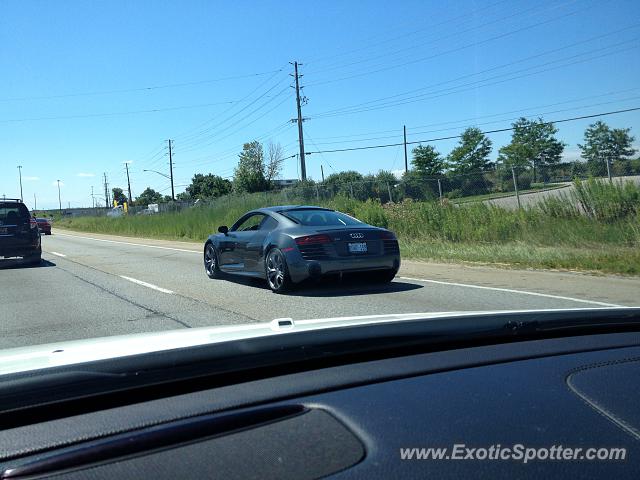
[609, 169]
[406, 162]
[35, 202]
[20, 173]
[303, 168]
[322, 172]
[126, 165]
[59, 200]
[106, 191]
[173, 196]
[93, 200]
[515, 186]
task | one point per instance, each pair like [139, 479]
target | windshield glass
[13, 212]
[320, 218]
[197, 164]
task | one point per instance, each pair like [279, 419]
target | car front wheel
[277, 272]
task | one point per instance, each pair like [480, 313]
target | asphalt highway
[96, 285]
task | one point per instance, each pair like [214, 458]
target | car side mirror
[223, 229]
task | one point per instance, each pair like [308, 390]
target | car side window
[268, 224]
[250, 223]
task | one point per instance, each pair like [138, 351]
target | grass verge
[616, 260]
[598, 230]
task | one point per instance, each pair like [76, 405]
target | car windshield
[172, 166]
[320, 218]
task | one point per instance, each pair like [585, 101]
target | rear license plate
[360, 247]
[4, 230]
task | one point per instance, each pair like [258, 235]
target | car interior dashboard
[347, 418]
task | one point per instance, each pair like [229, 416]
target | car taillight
[313, 239]
[33, 223]
[387, 235]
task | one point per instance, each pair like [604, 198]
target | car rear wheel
[385, 276]
[276, 271]
[211, 266]
[34, 259]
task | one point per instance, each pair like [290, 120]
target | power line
[321, 155]
[562, 110]
[497, 67]
[215, 138]
[192, 132]
[429, 57]
[466, 15]
[369, 147]
[471, 85]
[114, 114]
[225, 153]
[204, 136]
[474, 119]
[139, 89]
[579, 99]
[455, 33]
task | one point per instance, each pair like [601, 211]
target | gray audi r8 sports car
[288, 244]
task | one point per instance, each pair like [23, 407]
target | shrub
[607, 201]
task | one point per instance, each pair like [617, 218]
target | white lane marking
[509, 290]
[145, 284]
[58, 254]
[131, 243]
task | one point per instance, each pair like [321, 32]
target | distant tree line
[534, 153]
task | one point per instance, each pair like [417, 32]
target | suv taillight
[313, 239]
[387, 235]
[33, 223]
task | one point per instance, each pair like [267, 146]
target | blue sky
[87, 86]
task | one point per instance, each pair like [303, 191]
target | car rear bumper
[300, 269]
[19, 249]
[19, 252]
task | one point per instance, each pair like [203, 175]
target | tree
[472, 153]
[118, 195]
[275, 160]
[533, 143]
[413, 185]
[208, 186]
[427, 161]
[345, 183]
[249, 176]
[603, 144]
[344, 178]
[149, 196]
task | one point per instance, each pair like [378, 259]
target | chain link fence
[502, 185]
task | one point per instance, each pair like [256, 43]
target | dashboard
[363, 419]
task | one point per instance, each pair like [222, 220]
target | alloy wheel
[275, 270]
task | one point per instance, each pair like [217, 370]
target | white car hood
[80, 351]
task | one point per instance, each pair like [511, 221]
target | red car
[44, 225]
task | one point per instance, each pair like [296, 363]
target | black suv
[19, 233]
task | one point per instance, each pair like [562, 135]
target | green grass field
[603, 235]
